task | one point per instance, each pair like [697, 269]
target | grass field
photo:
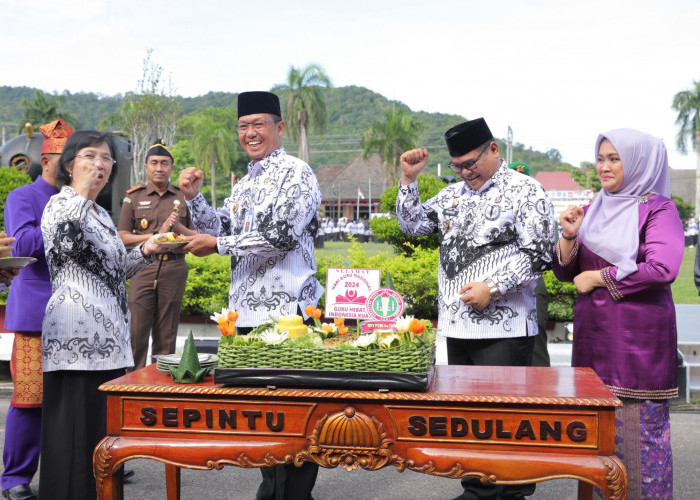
[684, 291]
[342, 247]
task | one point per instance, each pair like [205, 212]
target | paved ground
[386, 484]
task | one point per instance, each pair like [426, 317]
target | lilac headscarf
[611, 226]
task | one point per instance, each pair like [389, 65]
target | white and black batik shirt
[86, 326]
[503, 232]
[267, 226]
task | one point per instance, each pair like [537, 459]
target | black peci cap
[467, 136]
[252, 103]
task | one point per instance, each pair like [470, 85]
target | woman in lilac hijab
[623, 252]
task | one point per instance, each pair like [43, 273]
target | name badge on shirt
[450, 212]
[249, 221]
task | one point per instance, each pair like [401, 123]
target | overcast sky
[557, 72]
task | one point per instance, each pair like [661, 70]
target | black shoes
[19, 492]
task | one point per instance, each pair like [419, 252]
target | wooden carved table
[506, 425]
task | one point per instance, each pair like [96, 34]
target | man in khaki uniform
[157, 207]
[540, 357]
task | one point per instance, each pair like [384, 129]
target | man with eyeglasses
[496, 232]
[267, 226]
[29, 294]
[155, 293]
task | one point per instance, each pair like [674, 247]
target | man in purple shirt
[29, 293]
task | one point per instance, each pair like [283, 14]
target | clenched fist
[190, 181]
[412, 163]
[570, 220]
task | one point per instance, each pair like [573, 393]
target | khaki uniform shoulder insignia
[127, 199]
[135, 188]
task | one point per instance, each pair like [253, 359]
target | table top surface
[475, 384]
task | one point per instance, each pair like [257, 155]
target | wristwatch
[494, 290]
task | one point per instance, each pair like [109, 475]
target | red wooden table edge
[473, 384]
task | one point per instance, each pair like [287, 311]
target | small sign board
[347, 291]
[385, 305]
[374, 325]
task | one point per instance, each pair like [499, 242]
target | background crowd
[341, 230]
[690, 232]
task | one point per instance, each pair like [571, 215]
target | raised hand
[571, 220]
[412, 163]
[190, 181]
[85, 175]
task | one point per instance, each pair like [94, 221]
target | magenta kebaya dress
[627, 331]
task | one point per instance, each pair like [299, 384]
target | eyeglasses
[257, 126]
[468, 165]
[93, 158]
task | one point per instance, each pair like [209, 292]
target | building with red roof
[558, 181]
[563, 190]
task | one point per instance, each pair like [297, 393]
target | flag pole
[358, 203]
[369, 215]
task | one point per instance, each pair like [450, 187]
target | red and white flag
[233, 179]
[359, 194]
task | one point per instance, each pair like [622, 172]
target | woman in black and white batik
[85, 333]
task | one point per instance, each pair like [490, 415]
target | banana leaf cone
[389, 283]
[188, 371]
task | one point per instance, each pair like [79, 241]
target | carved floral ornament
[349, 439]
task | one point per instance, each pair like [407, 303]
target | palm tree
[213, 132]
[687, 104]
[43, 109]
[305, 105]
[398, 132]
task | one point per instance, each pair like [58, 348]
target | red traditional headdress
[56, 133]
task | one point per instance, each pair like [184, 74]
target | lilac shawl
[610, 228]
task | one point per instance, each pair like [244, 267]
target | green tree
[586, 176]
[387, 228]
[148, 115]
[685, 210]
[10, 178]
[305, 104]
[210, 135]
[687, 104]
[398, 132]
[43, 109]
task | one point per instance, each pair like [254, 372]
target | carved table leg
[172, 481]
[585, 491]
[109, 485]
[113, 451]
[615, 479]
